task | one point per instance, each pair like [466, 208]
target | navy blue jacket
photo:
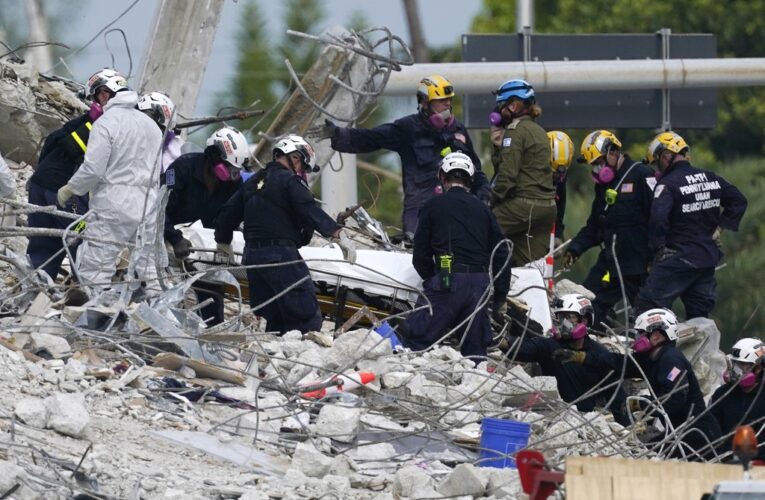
[61, 154]
[627, 219]
[190, 200]
[671, 377]
[574, 379]
[738, 408]
[689, 204]
[419, 146]
[275, 204]
[459, 224]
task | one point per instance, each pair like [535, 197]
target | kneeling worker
[453, 244]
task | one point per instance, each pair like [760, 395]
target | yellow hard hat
[561, 149]
[597, 144]
[434, 87]
[666, 140]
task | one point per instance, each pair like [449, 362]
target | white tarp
[379, 272]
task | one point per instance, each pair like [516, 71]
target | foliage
[736, 23]
[255, 69]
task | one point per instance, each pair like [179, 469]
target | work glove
[634, 405]
[63, 195]
[224, 253]
[499, 310]
[347, 246]
[569, 356]
[716, 237]
[663, 254]
[327, 130]
[569, 258]
[182, 248]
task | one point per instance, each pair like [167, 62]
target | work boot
[75, 297]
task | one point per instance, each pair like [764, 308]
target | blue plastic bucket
[500, 439]
[386, 331]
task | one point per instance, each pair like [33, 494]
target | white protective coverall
[121, 172]
[7, 181]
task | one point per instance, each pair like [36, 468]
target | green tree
[255, 69]
[741, 115]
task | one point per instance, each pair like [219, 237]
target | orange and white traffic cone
[345, 382]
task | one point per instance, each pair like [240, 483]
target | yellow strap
[79, 142]
[88, 124]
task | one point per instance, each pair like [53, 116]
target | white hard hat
[658, 319]
[575, 303]
[109, 78]
[747, 350]
[294, 143]
[161, 108]
[457, 161]
[231, 145]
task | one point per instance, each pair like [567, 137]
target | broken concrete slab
[391, 380]
[231, 451]
[310, 461]
[355, 345]
[32, 411]
[463, 480]
[412, 482]
[12, 475]
[67, 414]
[340, 423]
[56, 346]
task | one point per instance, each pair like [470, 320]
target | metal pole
[524, 15]
[483, 77]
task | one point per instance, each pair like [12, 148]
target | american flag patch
[673, 374]
[626, 187]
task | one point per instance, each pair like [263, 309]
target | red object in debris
[538, 482]
[345, 382]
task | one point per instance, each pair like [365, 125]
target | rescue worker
[200, 184]
[574, 315]
[690, 208]
[741, 399]
[61, 155]
[121, 172]
[421, 140]
[522, 195]
[455, 238]
[280, 215]
[620, 208]
[561, 156]
[7, 181]
[669, 374]
[160, 108]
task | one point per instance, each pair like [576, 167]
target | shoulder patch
[651, 181]
[674, 373]
[627, 187]
[506, 142]
[659, 189]
[170, 177]
[460, 137]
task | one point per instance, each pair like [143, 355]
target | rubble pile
[31, 107]
[97, 400]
